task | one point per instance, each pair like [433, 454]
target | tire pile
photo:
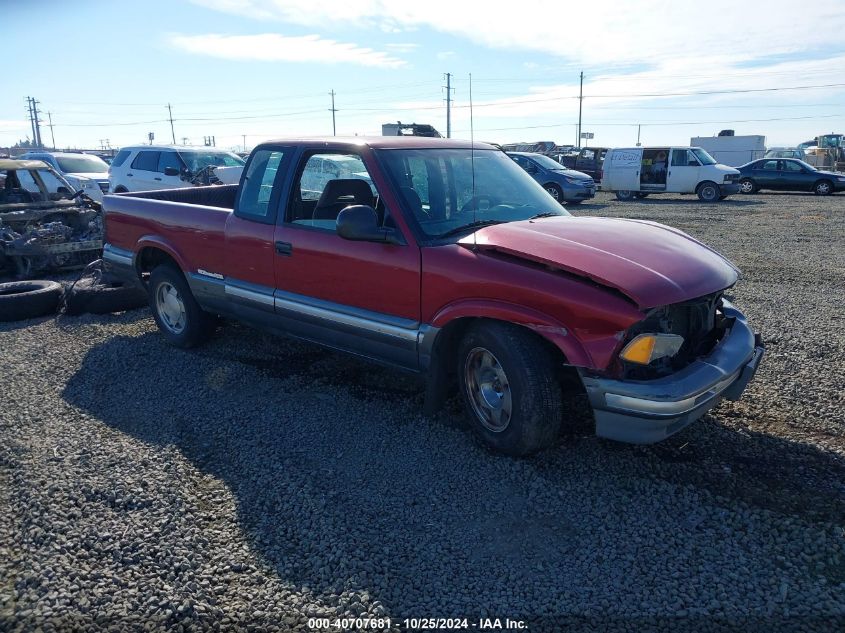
[97, 292]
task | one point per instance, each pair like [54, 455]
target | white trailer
[732, 150]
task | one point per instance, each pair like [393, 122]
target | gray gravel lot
[256, 482]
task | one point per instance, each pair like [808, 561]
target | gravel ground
[256, 482]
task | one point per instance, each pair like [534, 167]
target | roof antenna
[472, 167]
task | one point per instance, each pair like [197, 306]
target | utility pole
[580, 103]
[333, 110]
[244, 135]
[448, 105]
[31, 116]
[184, 140]
[52, 137]
[638, 134]
[170, 111]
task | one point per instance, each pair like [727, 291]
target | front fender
[544, 325]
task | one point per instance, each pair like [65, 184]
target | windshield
[703, 157]
[448, 190]
[82, 164]
[24, 186]
[195, 161]
[548, 163]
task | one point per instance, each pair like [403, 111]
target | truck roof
[384, 142]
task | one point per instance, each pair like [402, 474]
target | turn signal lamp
[648, 347]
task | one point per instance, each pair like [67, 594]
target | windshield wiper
[545, 214]
[472, 225]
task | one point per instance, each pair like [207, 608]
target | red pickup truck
[445, 258]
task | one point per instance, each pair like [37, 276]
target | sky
[250, 70]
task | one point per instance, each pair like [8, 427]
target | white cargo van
[636, 172]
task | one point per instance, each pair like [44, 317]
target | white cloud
[402, 47]
[445, 55]
[275, 47]
[612, 32]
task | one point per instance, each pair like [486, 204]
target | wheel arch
[439, 346]
[152, 252]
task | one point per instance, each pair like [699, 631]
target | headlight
[648, 347]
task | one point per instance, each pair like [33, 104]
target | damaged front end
[55, 245]
[44, 225]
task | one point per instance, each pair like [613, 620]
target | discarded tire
[103, 296]
[28, 299]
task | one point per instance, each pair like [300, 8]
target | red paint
[579, 282]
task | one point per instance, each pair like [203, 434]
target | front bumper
[729, 188]
[577, 192]
[644, 412]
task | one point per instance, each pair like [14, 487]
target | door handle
[157, 178]
[130, 175]
[284, 248]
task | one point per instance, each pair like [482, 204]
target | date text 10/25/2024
[421, 624]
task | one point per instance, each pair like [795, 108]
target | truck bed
[222, 196]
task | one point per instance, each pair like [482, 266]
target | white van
[636, 172]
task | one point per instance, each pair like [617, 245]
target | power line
[333, 110]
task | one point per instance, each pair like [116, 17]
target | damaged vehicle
[44, 223]
[151, 167]
[454, 264]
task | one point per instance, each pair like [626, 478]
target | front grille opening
[701, 323]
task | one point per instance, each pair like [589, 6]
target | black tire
[530, 388]
[625, 196]
[747, 186]
[121, 189]
[27, 299]
[708, 191]
[823, 188]
[554, 191]
[104, 296]
[197, 325]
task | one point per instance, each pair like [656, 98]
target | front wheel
[708, 192]
[823, 188]
[176, 312]
[746, 185]
[554, 191]
[625, 196]
[509, 387]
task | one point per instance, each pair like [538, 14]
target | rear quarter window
[121, 157]
[146, 161]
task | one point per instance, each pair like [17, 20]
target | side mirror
[359, 223]
[171, 171]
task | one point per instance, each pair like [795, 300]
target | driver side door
[362, 297]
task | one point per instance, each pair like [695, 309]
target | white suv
[83, 171]
[146, 167]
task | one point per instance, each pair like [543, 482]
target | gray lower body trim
[118, 256]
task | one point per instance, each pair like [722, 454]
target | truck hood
[88, 175]
[650, 263]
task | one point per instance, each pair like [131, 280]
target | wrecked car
[44, 224]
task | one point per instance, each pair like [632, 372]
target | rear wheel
[823, 188]
[509, 385]
[625, 196]
[708, 191]
[176, 312]
[746, 185]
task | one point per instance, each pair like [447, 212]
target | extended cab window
[146, 161]
[327, 184]
[257, 188]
